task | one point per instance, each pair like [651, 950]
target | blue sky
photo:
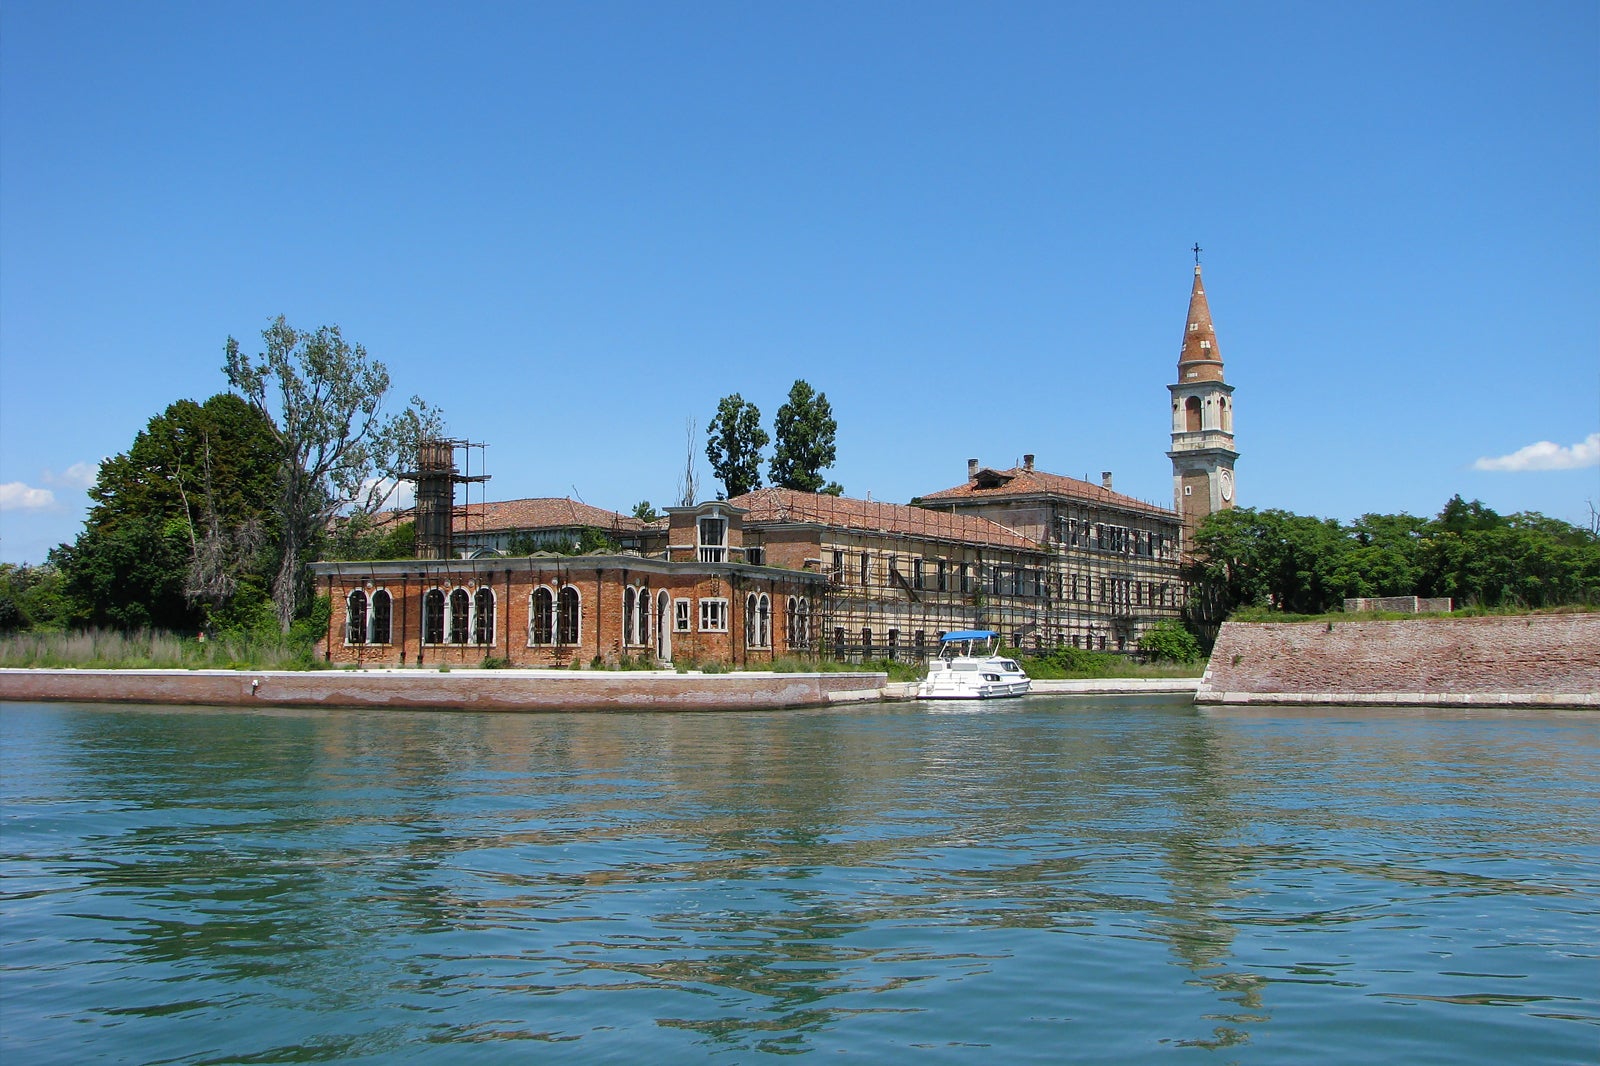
[575, 226]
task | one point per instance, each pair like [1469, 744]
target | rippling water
[1117, 880]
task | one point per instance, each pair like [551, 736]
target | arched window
[382, 614]
[433, 617]
[644, 616]
[763, 621]
[483, 616]
[567, 621]
[752, 634]
[542, 617]
[1191, 412]
[803, 625]
[791, 622]
[460, 616]
[629, 605]
[355, 618]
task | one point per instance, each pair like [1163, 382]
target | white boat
[967, 668]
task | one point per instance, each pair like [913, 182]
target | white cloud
[77, 476]
[1547, 456]
[16, 496]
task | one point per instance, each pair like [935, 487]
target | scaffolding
[436, 477]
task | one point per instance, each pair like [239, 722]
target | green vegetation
[804, 430]
[320, 401]
[1289, 563]
[1075, 663]
[1169, 641]
[108, 649]
[734, 439]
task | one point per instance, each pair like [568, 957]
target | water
[1118, 880]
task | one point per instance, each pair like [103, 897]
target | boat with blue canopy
[968, 667]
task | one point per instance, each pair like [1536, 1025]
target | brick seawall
[473, 690]
[1521, 661]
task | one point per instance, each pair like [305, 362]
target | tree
[1171, 641]
[178, 525]
[644, 512]
[337, 452]
[734, 439]
[805, 432]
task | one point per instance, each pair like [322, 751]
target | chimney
[1027, 462]
[972, 468]
[1105, 479]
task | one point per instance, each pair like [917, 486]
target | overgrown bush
[1169, 641]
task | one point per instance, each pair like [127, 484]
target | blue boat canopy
[969, 634]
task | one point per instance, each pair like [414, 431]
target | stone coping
[457, 689]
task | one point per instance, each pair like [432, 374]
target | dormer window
[713, 539]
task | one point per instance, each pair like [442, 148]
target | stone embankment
[1502, 661]
[471, 690]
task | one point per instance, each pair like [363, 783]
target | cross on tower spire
[1197, 250]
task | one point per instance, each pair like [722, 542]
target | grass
[1266, 614]
[110, 649]
[1066, 664]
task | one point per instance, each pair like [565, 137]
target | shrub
[1169, 641]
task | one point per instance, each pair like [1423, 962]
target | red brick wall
[1529, 655]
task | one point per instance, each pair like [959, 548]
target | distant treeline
[1303, 565]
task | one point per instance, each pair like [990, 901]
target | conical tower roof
[1200, 359]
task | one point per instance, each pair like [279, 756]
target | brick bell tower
[1202, 419]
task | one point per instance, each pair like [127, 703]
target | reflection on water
[1112, 881]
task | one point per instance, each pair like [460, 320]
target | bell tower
[1202, 419]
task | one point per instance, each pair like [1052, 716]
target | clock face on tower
[1227, 484]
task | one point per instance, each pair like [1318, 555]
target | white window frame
[682, 615]
[714, 614]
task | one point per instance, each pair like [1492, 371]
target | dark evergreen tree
[804, 431]
[734, 439]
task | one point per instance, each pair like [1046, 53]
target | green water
[1054, 879]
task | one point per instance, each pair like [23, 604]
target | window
[944, 575]
[838, 642]
[714, 616]
[460, 616]
[542, 617]
[866, 568]
[680, 615]
[433, 617]
[755, 556]
[866, 643]
[635, 616]
[916, 573]
[757, 621]
[919, 642]
[355, 618]
[894, 643]
[713, 540]
[1205, 344]
[568, 622]
[838, 567]
[483, 616]
[382, 612]
[797, 619]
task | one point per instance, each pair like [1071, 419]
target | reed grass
[145, 649]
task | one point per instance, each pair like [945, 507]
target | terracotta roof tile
[544, 512]
[787, 505]
[1020, 481]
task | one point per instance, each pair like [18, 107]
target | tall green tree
[337, 451]
[734, 439]
[180, 521]
[804, 431]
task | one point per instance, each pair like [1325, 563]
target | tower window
[1205, 344]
